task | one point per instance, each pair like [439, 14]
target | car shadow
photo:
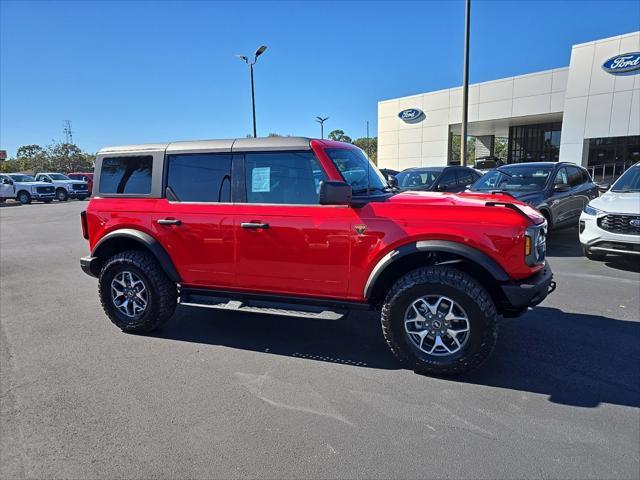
[564, 242]
[574, 359]
[628, 263]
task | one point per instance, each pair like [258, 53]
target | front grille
[620, 224]
[79, 186]
[44, 189]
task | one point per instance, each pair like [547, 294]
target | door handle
[169, 221]
[254, 226]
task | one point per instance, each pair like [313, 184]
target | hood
[466, 200]
[615, 202]
[69, 181]
[532, 198]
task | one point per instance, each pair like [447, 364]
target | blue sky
[134, 72]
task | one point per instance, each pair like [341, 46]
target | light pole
[321, 121]
[465, 85]
[258, 52]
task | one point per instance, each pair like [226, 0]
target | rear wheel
[62, 195]
[24, 197]
[135, 292]
[439, 321]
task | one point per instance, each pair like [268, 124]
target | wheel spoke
[129, 293]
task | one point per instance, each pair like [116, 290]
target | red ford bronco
[309, 228]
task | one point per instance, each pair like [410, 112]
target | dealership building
[587, 113]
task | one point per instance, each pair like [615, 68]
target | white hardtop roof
[225, 145]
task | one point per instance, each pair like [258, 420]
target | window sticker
[260, 179]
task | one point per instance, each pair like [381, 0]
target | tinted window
[22, 178]
[575, 176]
[466, 177]
[448, 179]
[562, 178]
[126, 175]
[283, 177]
[58, 176]
[204, 177]
[418, 179]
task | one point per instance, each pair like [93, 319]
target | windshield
[22, 178]
[520, 178]
[58, 176]
[422, 179]
[357, 170]
[628, 182]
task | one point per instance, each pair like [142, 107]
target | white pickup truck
[65, 188]
[24, 188]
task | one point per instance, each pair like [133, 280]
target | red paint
[314, 250]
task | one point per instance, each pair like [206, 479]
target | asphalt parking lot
[224, 395]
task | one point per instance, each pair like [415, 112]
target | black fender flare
[145, 240]
[469, 253]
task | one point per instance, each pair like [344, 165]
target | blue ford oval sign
[411, 115]
[624, 64]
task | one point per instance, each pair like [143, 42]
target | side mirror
[561, 187]
[603, 187]
[335, 193]
[393, 181]
[441, 188]
[6, 181]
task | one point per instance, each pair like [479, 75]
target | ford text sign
[624, 64]
[411, 115]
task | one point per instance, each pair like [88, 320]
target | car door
[195, 220]
[466, 177]
[560, 199]
[287, 242]
[448, 181]
[7, 189]
[582, 189]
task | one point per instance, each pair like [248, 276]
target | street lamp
[258, 52]
[321, 121]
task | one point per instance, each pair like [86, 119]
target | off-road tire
[24, 197]
[161, 290]
[593, 255]
[463, 289]
[62, 195]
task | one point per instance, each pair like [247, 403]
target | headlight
[535, 245]
[589, 210]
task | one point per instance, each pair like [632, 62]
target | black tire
[24, 197]
[462, 289]
[162, 292]
[593, 255]
[2, 200]
[62, 195]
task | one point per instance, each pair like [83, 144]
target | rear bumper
[530, 291]
[90, 266]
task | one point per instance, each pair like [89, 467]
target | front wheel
[24, 197]
[62, 195]
[440, 321]
[135, 292]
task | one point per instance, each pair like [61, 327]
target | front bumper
[90, 266]
[598, 240]
[530, 291]
[42, 196]
[78, 193]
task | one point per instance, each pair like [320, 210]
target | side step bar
[261, 306]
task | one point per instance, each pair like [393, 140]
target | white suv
[65, 187]
[611, 223]
[24, 188]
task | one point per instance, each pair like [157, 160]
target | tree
[370, 146]
[454, 152]
[31, 156]
[339, 136]
[59, 157]
[500, 148]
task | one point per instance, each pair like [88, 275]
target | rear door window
[561, 177]
[283, 178]
[448, 179]
[575, 176]
[127, 175]
[202, 177]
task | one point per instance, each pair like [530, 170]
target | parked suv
[24, 188]
[83, 177]
[437, 179]
[559, 190]
[611, 223]
[309, 228]
[65, 188]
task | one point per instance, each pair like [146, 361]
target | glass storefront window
[534, 143]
